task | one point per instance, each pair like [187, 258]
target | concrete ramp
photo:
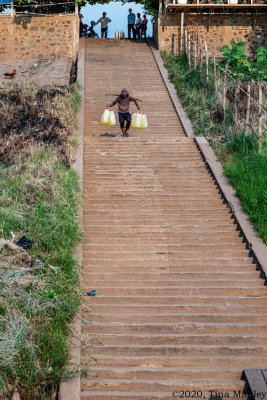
[180, 309]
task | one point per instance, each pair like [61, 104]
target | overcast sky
[117, 12]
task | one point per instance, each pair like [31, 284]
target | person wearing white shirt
[138, 22]
[104, 25]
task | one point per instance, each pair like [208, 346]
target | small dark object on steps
[25, 243]
[92, 293]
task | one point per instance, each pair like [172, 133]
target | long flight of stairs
[180, 309]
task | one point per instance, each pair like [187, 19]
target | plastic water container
[112, 119]
[144, 123]
[138, 120]
[133, 122]
[105, 117]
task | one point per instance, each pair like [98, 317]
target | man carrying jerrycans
[124, 115]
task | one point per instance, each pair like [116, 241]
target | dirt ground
[39, 72]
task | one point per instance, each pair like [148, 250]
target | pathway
[179, 303]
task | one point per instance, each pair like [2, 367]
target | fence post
[76, 8]
[248, 108]
[236, 97]
[215, 72]
[201, 60]
[12, 9]
[185, 41]
[207, 62]
[224, 86]
[182, 32]
[195, 55]
[260, 115]
[189, 51]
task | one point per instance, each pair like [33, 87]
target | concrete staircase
[179, 303]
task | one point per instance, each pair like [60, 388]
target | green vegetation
[39, 287]
[247, 171]
[245, 166]
[151, 6]
[240, 64]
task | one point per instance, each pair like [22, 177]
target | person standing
[123, 101]
[143, 27]
[81, 23]
[138, 22]
[104, 25]
[131, 22]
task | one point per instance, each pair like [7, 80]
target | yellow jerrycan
[138, 120]
[105, 117]
[144, 123]
[112, 119]
[133, 122]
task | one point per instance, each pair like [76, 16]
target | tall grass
[245, 166]
[39, 287]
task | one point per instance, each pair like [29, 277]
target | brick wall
[35, 37]
[216, 30]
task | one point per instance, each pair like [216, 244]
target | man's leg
[106, 33]
[134, 33]
[128, 119]
[129, 31]
[102, 33]
[121, 120]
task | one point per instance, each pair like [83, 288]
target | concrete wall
[217, 30]
[35, 37]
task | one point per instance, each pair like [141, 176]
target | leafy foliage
[151, 6]
[240, 64]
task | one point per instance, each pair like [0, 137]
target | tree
[40, 6]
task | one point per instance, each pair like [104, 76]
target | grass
[39, 287]
[243, 163]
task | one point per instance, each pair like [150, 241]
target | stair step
[179, 303]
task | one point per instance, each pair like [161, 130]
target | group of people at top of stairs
[137, 26]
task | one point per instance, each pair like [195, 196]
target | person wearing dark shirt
[123, 101]
[143, 27]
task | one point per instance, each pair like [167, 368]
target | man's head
[145, 16]
[130, 11]
[138, 15]
[124, 93]
[104, 14]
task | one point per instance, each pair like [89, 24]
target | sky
[117, 12]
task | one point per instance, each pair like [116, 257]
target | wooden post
[224, 86]
[236, 98]
[248, 108]
[215, 72]
[195, 56]
[260, 116]
[12, 9]
[201, 61]
[182, 32]
[185, 41]
[76, 8]
[189, 51]
[207, 62]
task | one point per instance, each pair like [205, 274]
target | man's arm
[136, 102]
[114, 102]
[100, 19]
[108, 20]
